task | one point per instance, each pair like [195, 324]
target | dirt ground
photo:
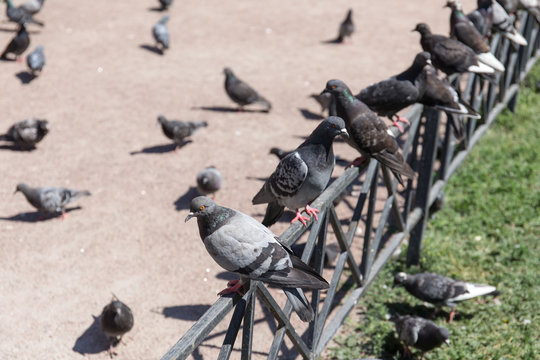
[102, 90]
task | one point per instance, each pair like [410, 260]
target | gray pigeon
[178, 131]
[503, 23]
[462, 29]
[18, 44]
[27, 133]
[302, 176]
[161, 34]
[346, 28]
[50, 200]
[368, 134]
[208, 181]
[36, 60]
[241, 93]
[482, 17]
[450, 55]
[532, 6]
[389, 96]
[165, 4]
[240, 244]
[32, 6]
[440, 290]
[116, 319]
[19, 15]
[420, 333]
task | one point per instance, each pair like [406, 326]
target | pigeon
[449, 55]
[346, 28]
[389, 96]
[241, 93]
[165, 4]
[36, 60]
[324, 100]
[368, 134]
[18, 44]
[50, 200]
[482, 17]
[208, 181]
[240, 244]
[420, 333]
[178, 131]
[32, 6]
[532, 6]
[462, 29]
[440, 290]
[116, 319]
[440, 95]
[503, 23]
[302, 175]
[161, 34]
[20, 15]
[27, 133]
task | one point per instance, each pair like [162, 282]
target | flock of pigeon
[241, 244]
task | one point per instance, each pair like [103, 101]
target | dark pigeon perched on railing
[242, 245]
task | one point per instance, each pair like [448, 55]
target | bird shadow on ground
[184, 201]
[334, 41]
[422, 311]
[92, 340]
[158, 149]
[25, 77]
[7, 59]
[16, 148]
[228, 109]
[151, 48]
[157, 9]
[256, 178]
[226, 275]
[15, 29]
[36, 216]
[183, 312]
[310, 115]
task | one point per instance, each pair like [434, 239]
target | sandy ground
[102, 90]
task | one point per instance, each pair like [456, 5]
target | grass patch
[488, 232]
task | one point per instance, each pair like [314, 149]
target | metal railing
[380, 239]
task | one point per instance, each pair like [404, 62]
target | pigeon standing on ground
[165, 4]
[503, 23]
[389, 96]
[242, 245]
[18, 44]
[27, 133]
[116, 319]
[36, 61]
[346, 28]
[302, 176]
[209, 181]
[19, 15]
[462, 29]
[440, 290]
[241, 93]
[161, 34]
[32, 6]
[449, 55]
[178, 131]
[50, 200]
[367, 133]
[420, 333]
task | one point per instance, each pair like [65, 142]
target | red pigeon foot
[312, 211]
[299, 216]
[233, 286]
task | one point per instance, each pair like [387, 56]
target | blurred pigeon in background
[324, 100]
[504, 23]
[116, 319]
[241, 93]
[161, 34]
[346, 28]
[27, 133]
[178, 131]
[440, 290]
[20, 15]
[50, 200]
[165, 4]
[242, 245]
[420, 333]
[32, 6]
[18, 44]
[482, 17]
[302, 175]
[36, 61]
[209, 181]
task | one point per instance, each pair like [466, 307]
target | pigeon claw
[451, 315]
[233, 286]
[396, 119]
[356, 162]
[299, 216]
[312, 211]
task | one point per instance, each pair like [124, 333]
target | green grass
[488, 232]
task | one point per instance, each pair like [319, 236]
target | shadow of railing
[408, 212]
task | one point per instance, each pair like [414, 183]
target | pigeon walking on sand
[367, 133]
[20, 15]
[241, 93]
[389, 96]
[420, 333]
[36, 61]
[32, 6]
[440, 290]
[178, 131]
[209, 181]
[161, 34]
[116, 319]
[346, 28]
[50, 200]
[240, 244]
[18, 44]
[302, 176]
[27, 133]
[165, 4]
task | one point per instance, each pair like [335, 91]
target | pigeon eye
[201, 208]
[333, 86]
[334, 126]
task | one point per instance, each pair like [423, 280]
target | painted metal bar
[364, 269]
[247, 328]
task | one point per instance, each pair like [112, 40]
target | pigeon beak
[189, 216]
[344, 133]
[324, 92]
[447, 342]
[428, 61]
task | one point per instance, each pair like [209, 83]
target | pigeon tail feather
[300, 304]
[490, 60]
[273, 212]
[474, 290]
[481, 68]
[515, 37]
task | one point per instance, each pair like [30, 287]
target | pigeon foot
[299, 216]
[64, 215]
[312, 211]
[451, 315]
[406, 352]
[356, 162]
[111, 352]
[396, 119]
[233, 286]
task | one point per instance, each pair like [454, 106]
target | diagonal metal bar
[364, 270]
[232, 330]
